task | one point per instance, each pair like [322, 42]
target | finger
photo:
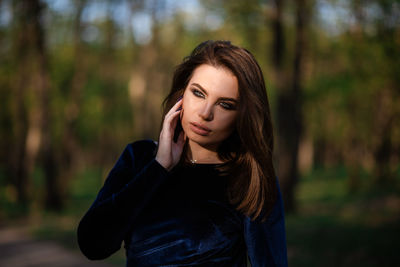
[173, 122]
[172, 119]
[169, 126]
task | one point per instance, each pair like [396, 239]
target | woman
[206, 193]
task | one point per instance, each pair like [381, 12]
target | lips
[199, 129]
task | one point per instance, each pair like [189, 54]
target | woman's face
[209, 105]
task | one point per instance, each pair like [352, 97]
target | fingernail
[179, 98]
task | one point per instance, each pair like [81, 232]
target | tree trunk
[54, 198]
[278, 49]
[26, 127]
[289, 105]
[69, 149]
[383, 149]
[34, 103]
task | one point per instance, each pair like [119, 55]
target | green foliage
[83, 191]
[335, 227]
[350, 80]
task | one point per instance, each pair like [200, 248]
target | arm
[129, 186]
[266, 241]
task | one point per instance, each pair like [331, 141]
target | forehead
[216, 81]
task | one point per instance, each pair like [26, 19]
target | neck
[201, 154]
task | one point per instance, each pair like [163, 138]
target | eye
[227, 106]
[197, 93]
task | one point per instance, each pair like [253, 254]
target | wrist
[163, 164]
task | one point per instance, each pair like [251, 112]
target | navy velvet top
[176, 218]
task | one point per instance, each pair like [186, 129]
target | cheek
[188, 108]
[185, 100]
[227, 123]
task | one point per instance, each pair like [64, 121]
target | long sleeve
[266, 241]
[128, 188]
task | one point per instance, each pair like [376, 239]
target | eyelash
[224, 105]
[197, 93]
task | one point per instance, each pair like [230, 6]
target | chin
[204, 141]
[198, 138]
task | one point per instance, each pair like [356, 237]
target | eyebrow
[221, 98]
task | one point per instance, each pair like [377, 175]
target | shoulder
[140, 151]
[142, 146]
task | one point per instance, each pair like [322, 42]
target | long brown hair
[248, 151]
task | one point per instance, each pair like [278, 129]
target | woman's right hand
[169, 152]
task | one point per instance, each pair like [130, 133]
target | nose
[206, 112]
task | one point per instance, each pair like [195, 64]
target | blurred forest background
[81, 79]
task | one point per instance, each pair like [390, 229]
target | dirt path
[17, 249]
